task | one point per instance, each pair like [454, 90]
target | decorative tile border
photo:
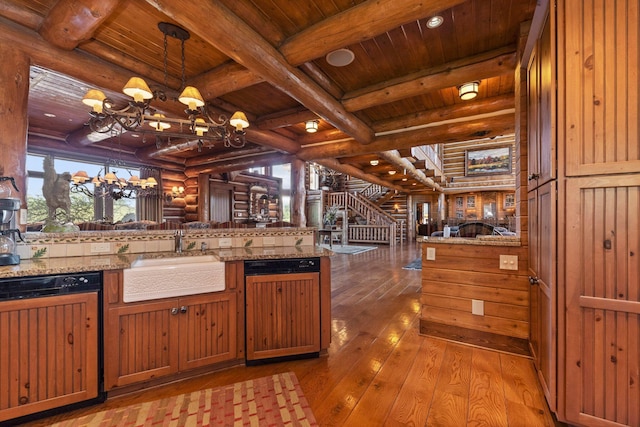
[55, 245]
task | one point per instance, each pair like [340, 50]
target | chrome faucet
[179, 234]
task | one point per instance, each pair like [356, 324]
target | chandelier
[139, 117]
[112, 186]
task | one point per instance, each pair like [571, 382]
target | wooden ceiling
[268, 59]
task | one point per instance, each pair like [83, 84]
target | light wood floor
[379, 371]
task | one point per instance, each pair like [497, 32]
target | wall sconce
[468, 90]
[374, 162]
[175, 193]
[311, 126]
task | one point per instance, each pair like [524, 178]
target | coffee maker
[9, 206]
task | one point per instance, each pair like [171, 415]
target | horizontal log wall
[462, 273]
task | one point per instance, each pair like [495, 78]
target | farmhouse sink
[150, 279]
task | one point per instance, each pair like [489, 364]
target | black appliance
[281, 266]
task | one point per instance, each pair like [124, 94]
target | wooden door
[140, 342]
[533, 119]
[48, 353]
[603, 300]
[282, 315]
[207, 329]
[544, 290]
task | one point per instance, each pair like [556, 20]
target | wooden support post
[298, 193]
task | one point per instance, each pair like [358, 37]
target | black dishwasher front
[282, 309]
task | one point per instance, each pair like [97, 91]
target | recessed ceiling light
[51, 115]
[404, 179]
[374, 162]
[435, 21]
[392, 172]
[340, 57]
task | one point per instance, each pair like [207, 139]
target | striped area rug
[270, 401]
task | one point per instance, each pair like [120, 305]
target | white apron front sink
[150, 279]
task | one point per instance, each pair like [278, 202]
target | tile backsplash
[88, 243]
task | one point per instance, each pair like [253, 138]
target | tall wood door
[207, 329]
[48, 353]
[283, 315]
[542, 214]
[543, 292]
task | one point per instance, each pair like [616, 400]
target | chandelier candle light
[139, 118]
[113, 186]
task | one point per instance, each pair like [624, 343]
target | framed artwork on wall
[509, 200]
[471, 201]
[488, 161]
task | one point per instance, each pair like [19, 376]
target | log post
[14, 95]
[298, 193]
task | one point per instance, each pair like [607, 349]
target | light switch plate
[508, 262]
[477, 307]
[431, 254]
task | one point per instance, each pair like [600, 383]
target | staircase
[377, 225]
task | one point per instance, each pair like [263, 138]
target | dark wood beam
[354, 171]
[239, 164]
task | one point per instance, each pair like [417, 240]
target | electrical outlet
[508, 262]
[97, 248]
[431, 254]
[224, 242]
[477, 307]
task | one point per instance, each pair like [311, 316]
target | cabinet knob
[183, 309]
[174, 311]
[533, 176]
[533, 280]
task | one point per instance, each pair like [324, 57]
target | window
[83, 206]
[284, 172]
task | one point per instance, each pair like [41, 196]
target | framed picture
[488, 161]
[509, 200]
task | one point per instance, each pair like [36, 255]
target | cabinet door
[140, 342]
[603, 300]
[283, 315]
[48, 353]
[207, 329]
[542, 275]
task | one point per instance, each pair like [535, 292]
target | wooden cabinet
[282, 315]
[157, 338]
[48, 353]
[542, 207]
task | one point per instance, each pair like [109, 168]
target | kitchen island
[476, 290]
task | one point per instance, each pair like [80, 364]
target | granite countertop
[478, 241]
[43, 266]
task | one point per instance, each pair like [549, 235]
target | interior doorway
[423, 218]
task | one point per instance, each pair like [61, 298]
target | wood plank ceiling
[268, 59]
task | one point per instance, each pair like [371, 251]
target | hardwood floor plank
[486, 392]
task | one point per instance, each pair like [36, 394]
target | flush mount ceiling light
[435, 21]
[374, 162]
[137, 117]
[468, 90]
[340, 57]
[311, 126]
[392, 172]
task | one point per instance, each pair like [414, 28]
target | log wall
[461, 273]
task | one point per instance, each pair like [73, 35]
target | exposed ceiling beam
[489, 64]
[371, 18]
[238, 164]
[260, 56]
[354, 171]
[393, 157]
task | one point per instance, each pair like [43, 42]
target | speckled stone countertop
[62, 265]
[478, 241]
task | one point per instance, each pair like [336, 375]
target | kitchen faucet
[179, 234]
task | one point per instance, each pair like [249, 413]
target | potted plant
[330, 216]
